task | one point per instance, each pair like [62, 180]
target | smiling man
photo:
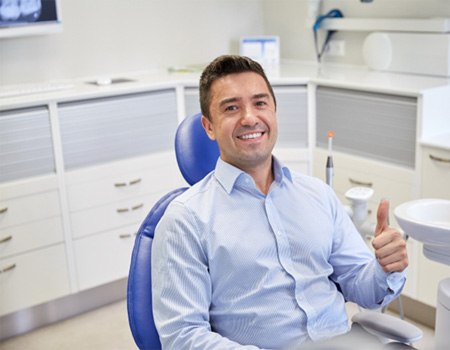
[256, 256]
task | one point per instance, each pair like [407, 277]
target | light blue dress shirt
[233, 268]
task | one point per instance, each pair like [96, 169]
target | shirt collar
[227, 174]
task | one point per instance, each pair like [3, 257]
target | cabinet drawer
[27, 209]
[114, 215]
[387, 181]
[372, 125]
[109, 187]
[26, 237]
[430, 274]
[26, 147]
[33, 278]
[104, 257]
[107, 129]
[435, 173]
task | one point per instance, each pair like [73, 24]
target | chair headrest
[196, 153]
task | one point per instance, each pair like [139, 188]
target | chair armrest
[388, 326]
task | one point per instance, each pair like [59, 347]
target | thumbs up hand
[389, 245]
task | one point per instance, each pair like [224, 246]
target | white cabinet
[119, 160]
[435, 173]
[107, 204]
[435, 184]
[33, 263]
[374, 146]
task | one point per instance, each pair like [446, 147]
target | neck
[263, 176]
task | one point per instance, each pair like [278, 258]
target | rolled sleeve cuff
[390, 284]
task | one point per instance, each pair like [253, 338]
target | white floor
[107, 328]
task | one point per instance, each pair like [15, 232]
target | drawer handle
[127, 235]
[439, 159]
[135, 181]
[8, 268]
[136, 207]
[360, 183]
[6, 239]
[3, 210]
[130, 183]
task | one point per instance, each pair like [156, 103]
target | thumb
[382, 217]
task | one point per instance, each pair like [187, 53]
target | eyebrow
[235, 99]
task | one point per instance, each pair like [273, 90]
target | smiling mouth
[251, 136]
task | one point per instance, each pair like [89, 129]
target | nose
[249, 117]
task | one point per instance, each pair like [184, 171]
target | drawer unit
[104, 257]
[33, 278]
[387, 181]
[118, 181]
[435, 173]
[30, 236]
[435, 184]
[107, 217]
[16, 211]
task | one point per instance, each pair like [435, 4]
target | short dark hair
[222, 66]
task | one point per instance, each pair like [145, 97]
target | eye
[261, 103]
[231, 108]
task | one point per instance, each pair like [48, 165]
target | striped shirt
[233, 268]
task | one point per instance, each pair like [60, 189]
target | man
[253, 256]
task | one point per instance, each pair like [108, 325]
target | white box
[263, 49]
[418, 53]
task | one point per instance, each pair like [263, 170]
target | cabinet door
[107, 129]
[435, 184]
[435, 173]
[370, 125]
[33, 278]
[26, 148]
[104, 257]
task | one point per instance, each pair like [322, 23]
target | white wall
[287, 19]
[103, 37]
[115, 36]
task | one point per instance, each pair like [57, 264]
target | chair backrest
[196, 156]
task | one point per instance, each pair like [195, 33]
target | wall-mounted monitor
[29, 17]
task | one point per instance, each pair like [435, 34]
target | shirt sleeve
[181, 286]
[356, 269]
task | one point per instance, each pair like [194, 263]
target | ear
[207, 125]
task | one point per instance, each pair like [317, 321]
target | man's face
[243, 120]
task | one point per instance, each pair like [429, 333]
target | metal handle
[130, 183]
[136, 207]
[135, 181]
[3, 210]
[6, 239]
[439, 159]
[127, 235]
[8, 268]
[360, 183]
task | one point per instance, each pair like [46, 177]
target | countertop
[288, 73]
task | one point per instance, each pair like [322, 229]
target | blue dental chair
[197, 156]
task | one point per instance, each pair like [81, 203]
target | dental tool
[329, 167]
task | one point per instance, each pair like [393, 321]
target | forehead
[238, 85]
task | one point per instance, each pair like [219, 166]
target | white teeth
[251, 136]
